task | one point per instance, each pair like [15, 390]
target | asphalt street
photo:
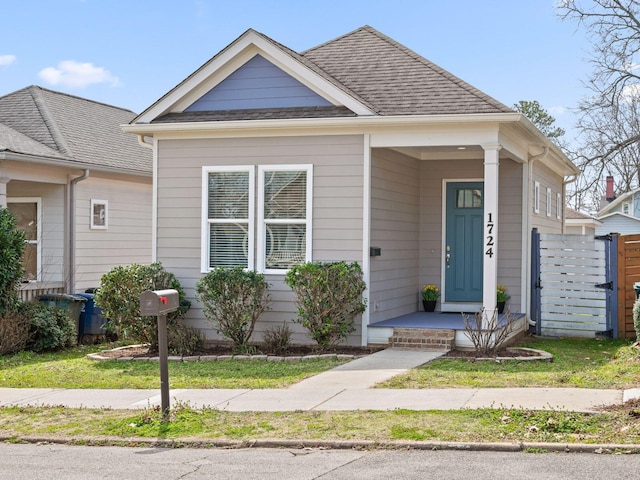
[53, 461]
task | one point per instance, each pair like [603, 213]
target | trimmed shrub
[233, 299]
[51, 327]
[12, 244]
[328, 297]
[14, 331]
[119, 299]
[277, 339]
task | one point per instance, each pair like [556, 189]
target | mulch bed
[218, 350]
[510, 353]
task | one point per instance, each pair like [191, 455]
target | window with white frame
[548, 202]
[228, 198]
[559, 205]
[99, 214]
[625, 207]
[536, 197]
[28, 215]
[284, 220]
[284, 235]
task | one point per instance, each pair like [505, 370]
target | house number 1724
[490, 243]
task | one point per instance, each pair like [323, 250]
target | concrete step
[435, 340]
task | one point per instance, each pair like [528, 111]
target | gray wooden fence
[573, 285]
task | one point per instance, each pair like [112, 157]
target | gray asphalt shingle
[70, 128]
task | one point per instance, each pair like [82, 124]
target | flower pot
[429, 305]
[501, 307]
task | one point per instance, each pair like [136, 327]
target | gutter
[71, 283]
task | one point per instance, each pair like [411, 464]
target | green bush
[12, 244]
[14, 331]
[51, 327]
[119, 299]
[636, 318]
[233, 300]
[328, 297]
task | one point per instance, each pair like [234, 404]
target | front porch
[437, 330]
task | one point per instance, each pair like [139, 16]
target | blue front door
[463, 248]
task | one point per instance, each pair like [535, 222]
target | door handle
[447, 257]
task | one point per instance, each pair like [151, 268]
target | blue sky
[129, 53]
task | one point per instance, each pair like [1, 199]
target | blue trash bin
[91, 324]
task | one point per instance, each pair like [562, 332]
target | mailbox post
[158, 303]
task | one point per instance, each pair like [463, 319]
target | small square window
[99, 214]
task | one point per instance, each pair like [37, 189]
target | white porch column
[3, 191]
[490, 247]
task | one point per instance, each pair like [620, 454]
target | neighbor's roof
[37, 122]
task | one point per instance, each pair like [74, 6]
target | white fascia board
[582, 221]
[229, 60]
[344, 124]
[619, 214]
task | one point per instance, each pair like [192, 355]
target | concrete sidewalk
[344, 388]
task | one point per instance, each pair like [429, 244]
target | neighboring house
[359, 150]
[78, 185]
[578, 223]
[619, 215]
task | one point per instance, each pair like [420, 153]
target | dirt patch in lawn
[509, 353]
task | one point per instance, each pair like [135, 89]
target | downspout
[527, 191]
[72, 230]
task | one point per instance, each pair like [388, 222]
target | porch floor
[434, 320]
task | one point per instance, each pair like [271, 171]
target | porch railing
[31, 291]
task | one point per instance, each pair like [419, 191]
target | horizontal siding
[53, 221]
[547, 178]
[337, 207]
[395, 216]
[127, 239]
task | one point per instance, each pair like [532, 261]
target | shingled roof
[42, 123]
[394, 80]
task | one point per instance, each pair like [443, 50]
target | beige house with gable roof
[79, 186]
[358, 149]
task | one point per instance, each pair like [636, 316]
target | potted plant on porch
[430, 294]
[501, 297]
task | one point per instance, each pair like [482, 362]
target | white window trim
[548, 202]
[559, 205]
[536, 197]
[261, 220]
[93, 225]
[38, 242]
[205, 238]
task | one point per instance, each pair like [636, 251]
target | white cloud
[7, 59]
[70, 73]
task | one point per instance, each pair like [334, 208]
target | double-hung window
[228, 201]
[283, 221]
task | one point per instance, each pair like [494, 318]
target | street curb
[533, 447]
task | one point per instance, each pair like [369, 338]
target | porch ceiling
[449, 152]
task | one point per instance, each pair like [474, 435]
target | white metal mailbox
[158, 302]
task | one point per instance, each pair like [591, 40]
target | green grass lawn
[72, 369]
[583, 363]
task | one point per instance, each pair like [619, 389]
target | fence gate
[628, 275]
[574, 289]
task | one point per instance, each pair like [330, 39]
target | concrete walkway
[344, 388]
